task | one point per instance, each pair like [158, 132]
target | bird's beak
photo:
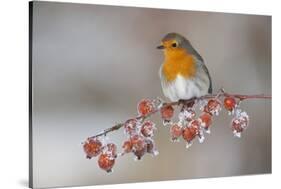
[160, 47]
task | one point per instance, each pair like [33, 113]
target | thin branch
[221, 93]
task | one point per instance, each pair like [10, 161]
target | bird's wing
[200, 62]
[210, 90]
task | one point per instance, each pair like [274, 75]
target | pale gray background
[92, 64]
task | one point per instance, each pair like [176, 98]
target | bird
[183, 73]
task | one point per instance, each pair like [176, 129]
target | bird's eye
[174, 45]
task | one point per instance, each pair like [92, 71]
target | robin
[183, 73]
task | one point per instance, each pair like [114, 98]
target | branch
[221, 93]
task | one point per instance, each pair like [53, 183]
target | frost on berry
[158, 103]
[130, 126]
[139, 153]
[239, 123]
[106, 162]
[145, 107]
[176, 131]
[111, 149]
[213, 107]
[150, 147]
[127, 146]
[138, 146]
[201, 138]
[187, 114]
[202, 103]
[92, 147]
[194, 124]
[189, 133]
[206, 121]
[167, 113]
[230, 104]
[138, 142]
[197, 129]
[148, 128]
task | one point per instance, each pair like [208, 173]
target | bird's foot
[187, 103]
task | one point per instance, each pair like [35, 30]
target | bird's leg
[181, 101]
[186, 105]
[190, 104]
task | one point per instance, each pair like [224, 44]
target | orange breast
[178, 62]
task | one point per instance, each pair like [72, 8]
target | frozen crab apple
[192, 129]
[239, 123]
[150, 146]
[213, 106]
[130, 126]
[127, 146]
[92, 147]
[167, 112]
[229, 103]
[145, 107]
[138, 146]
[189, 133]
[194, 124]
[206, 120]
[106, 162]
[175, 131]
[139, 153]
[148, 128]
[138, 142]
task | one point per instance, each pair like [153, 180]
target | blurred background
[91, 66]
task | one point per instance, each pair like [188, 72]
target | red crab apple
[145, 107]
[130, 126]
[175, 131]
[213, 107]
[139, 153]
[167, 112]
[206, 120]
[239, 123]
[92, 147]
[229, 103]
[138, 142]
[106, 162]
[189, 133]
[127, 146]
[148, 128]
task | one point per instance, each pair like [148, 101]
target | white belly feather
[182, 88]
